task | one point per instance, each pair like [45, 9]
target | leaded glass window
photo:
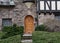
[57, 17]
[7, 2]
[6, 22]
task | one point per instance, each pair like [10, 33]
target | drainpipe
[37, 4]
[37, 18]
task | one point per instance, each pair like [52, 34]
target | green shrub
[12, 30]
[40, 28]
[7, 28]
[14, 39]
[46, 37]
[1, 34]
[21, 30]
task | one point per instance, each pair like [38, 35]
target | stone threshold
[27, 34]
[26, 40]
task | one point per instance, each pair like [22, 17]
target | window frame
[6, 19]
[57, 17]
[7, 3]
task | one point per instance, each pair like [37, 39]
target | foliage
[12, 30]
[21, 30]
[1, 34]
[13, 39]
[40, 28]
[46, 37]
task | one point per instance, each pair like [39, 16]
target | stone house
[22, 13]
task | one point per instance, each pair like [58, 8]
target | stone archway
[29, 24]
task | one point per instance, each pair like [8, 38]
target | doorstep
[26, 41]
[27, 34]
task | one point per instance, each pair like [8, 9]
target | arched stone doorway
[29, 24]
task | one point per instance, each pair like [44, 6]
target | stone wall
[17, 13]
[20, 11]
[44, 17]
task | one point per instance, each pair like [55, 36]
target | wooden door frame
[24, 20]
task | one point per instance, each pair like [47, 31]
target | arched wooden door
[29, 24]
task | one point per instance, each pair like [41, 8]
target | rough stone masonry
[20, 11]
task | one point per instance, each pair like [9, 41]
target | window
[57, 17]
[47, 7]
[58, 5]
[53, 5]
[7, 2]
[6, 22]
[41, 5]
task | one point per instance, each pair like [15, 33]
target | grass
[46, 37]
[13, 39]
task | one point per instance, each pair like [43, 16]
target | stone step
[26, 41]
[27, 36]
